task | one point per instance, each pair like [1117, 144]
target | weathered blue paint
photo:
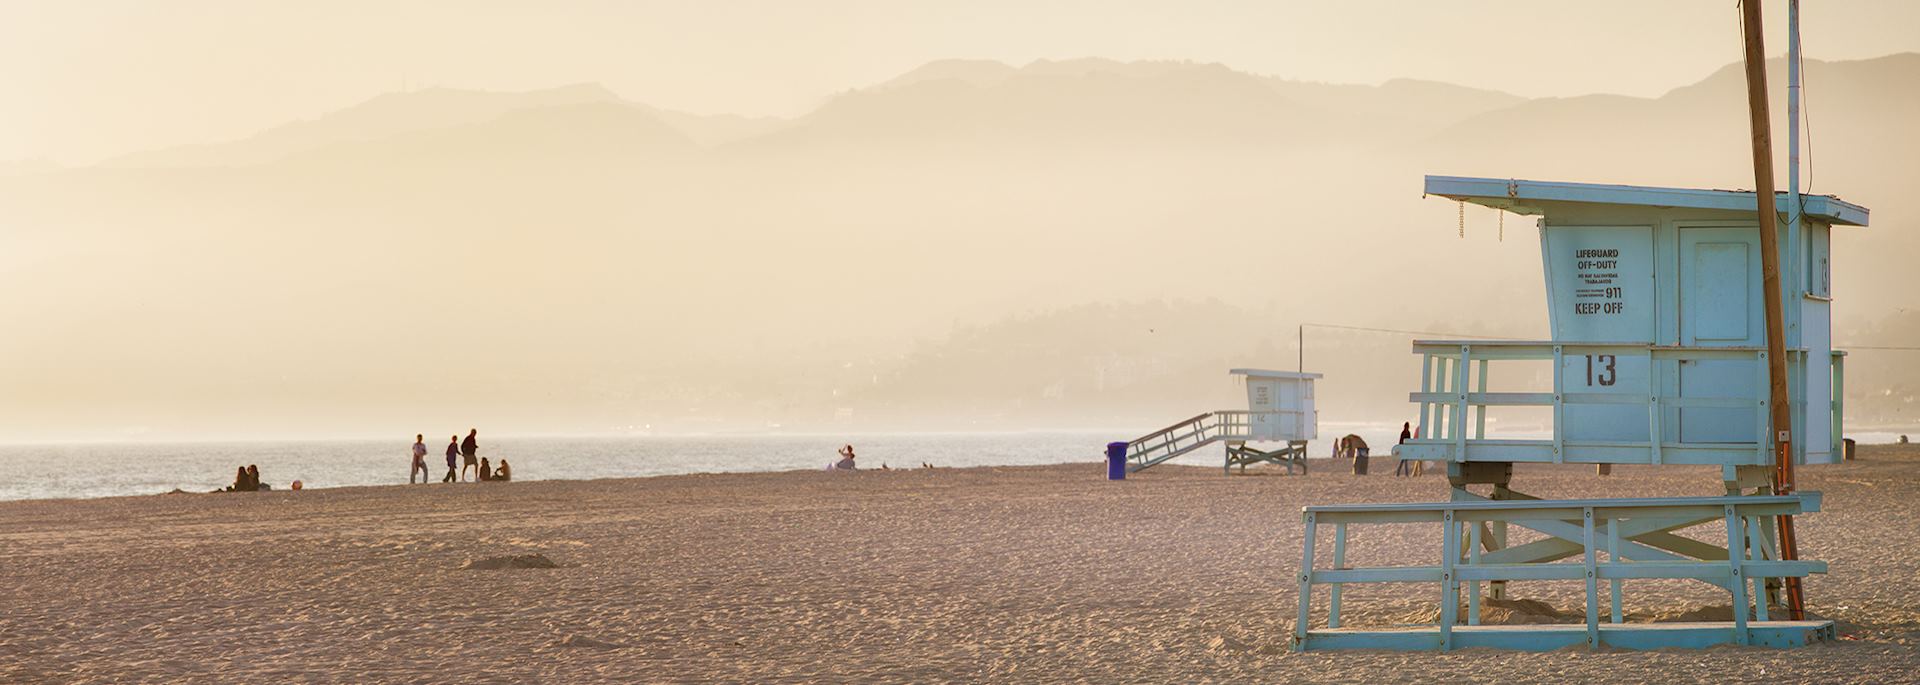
[1638, 543]
[1522, 197]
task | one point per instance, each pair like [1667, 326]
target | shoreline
[531, 467]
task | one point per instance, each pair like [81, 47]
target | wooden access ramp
[1232, 427]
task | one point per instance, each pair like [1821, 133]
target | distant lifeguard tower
[1279, 409]
[1657, 357]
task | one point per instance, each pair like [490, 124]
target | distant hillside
[597, 132]
[395, 114]
[952, 247]
[1105, 102]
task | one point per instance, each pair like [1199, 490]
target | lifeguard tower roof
[1522, 197]
[1263, 373]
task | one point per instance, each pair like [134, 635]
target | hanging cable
[1407, 332]
[1462, 206]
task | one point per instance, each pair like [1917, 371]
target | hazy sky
[84, 79]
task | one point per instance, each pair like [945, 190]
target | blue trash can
[1116, 461]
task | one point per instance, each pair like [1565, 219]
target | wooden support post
[1339, 562]
[1756, 549]
[1459, 419]
[1656, 414]
[1473, 559]
[1613, 557]
[1737, 583]
[1559, 405]
[1497, 533]
[1306, 584]
[1753, 40]
[1480, 411]
[1449, 589]
[1593, 579]
[1426, 386]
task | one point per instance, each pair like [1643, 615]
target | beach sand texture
[1013, 574]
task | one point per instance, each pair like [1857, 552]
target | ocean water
[76, 470]
[81, 470]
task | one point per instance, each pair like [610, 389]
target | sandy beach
[1013, 574]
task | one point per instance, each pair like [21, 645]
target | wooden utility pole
[1782, 414]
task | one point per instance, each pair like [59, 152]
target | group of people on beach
[847, 463]
[461, 456]
[247, 479]
[1354, 447]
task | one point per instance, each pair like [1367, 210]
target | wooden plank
[1543, 638]
[1339, 562]
[1593, 578]
[1480, 421]
[1473, 587]
[1736, 583]
[1656, 411]
[1449, 587]
[1559, 407]
[1306, 583]
[1623, 503]
[1613, 557]
[1459, 420]
[1756, 549]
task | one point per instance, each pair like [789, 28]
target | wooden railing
[1635, 535]
[1192, 434]
[1453, 405]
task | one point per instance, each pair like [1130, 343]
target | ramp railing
[1192, 434]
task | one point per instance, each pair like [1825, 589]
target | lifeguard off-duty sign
[1601, 282]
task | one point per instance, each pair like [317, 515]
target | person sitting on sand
[253, 478]
[505, 473]
[485, 473]
[846, 459]
[239, 480]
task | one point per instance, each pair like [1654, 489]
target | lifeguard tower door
[1719, 272]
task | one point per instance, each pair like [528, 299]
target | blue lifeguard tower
[1657, 357]
[1280, 408]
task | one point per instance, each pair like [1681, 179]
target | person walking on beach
[453, 459]
[1405, 467]
[1356, 448]
[419, 460]
[468, 449]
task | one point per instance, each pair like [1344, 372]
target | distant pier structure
[1657, 357]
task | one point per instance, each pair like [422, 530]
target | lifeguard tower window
[1658, 350]
[1818, 271]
